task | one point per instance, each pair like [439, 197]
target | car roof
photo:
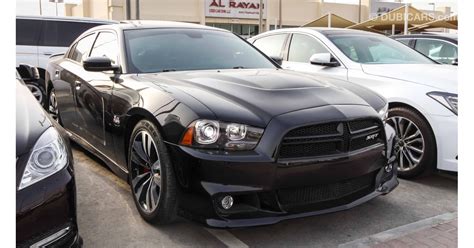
[428, 35]
[65, 18]
[144, 24]
[324, 31]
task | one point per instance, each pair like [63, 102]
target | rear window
[63, 33]
[27, 32]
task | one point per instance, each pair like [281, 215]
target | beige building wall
[294, 12]
[170, 10]
[101, 9]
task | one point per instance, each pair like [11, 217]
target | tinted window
[405, 41]
[82, 48]
[63, 33]
[27, 32]
[106, 45]
[157, 50]
[302, 47]
[438, 50]
[377, 49]
[271, 45]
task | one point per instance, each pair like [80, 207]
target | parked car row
[203, 124]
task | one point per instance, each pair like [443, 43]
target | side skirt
[119, 171]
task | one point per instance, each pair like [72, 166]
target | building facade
[239, 16]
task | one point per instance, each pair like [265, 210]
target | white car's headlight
[448, 100]
[383, 113]
[49, 156]
[221, 135]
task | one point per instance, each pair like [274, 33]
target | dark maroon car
[45, 186]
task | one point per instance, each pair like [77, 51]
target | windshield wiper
[238, 67]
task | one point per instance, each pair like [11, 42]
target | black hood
[31, 119]
[256, 96]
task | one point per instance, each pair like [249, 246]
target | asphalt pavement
[108, 218]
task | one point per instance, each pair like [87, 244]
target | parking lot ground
[437, 231]
[441, 235]
[107, 216]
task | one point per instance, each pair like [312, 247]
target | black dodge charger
[204, 125]
[45, 185]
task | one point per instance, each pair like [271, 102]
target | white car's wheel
[416, 146]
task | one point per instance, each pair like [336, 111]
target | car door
[438, 50]
[64, 77]
[300, 49]
[93, 93]
[27, 36]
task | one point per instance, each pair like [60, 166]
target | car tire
[416, 146]
[38, 92]
[51, 106]
[147, 153]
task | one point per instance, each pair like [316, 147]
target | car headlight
[383, 113]
[220, 135]
[49, 156]
[448, 100]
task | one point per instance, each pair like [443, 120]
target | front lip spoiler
[386, 188]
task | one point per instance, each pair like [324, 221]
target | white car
[39, 37]
[422, 94]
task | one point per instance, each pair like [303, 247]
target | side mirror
[28, 72]
[455, 61]
[276, 59]
[324, 59]
[99, 64]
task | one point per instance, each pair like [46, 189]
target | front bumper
[266, 191]
[445, 129]
[385, 188]
[46, 212]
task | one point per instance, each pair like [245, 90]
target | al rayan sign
[246, 9]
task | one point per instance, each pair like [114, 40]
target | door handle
[77, 84]
[48, 53]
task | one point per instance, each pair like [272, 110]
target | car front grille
[331, 139]
[326, 195]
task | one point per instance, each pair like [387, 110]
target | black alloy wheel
[151, 175]
[416, 146]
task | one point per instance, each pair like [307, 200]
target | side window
[70, 53]
[27, 32]
[82, 48]
[302, 47]
[438, 50]
[63, 33]
[271, 45]
[106, 45]
[404, 41]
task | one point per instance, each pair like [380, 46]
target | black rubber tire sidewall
[167, 206]
[428, 160]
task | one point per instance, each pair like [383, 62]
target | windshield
[162, 50]
[372, 49]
